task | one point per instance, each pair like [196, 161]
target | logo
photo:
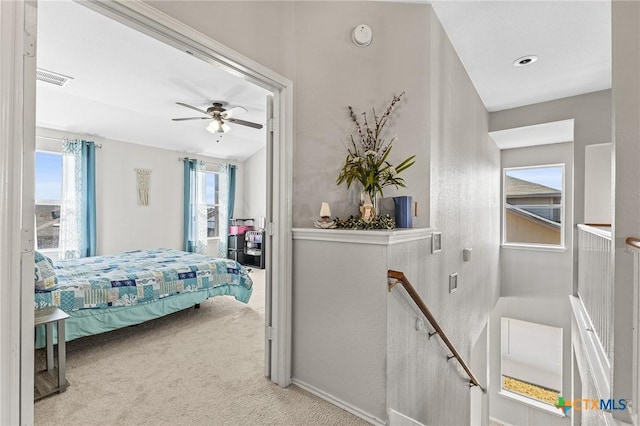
[590, 404]
[562, 405]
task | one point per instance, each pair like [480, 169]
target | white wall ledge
[375, 237]
[532, 403]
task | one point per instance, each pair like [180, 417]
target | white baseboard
[493, 419]
[399, 419]
[339, 403]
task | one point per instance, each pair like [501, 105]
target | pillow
[45, 276]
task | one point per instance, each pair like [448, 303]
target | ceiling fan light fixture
[214, 127]
[218, 114]
[218, 127]
[525, 60]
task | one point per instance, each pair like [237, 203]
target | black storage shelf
[248, 248]
[254, 248]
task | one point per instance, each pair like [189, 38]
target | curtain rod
[208, 163]
[98, 145]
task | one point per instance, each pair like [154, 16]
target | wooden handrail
[402, 279]
[633, 242]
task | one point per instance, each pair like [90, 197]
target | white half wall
[122, 224]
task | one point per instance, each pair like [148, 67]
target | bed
[104, 293]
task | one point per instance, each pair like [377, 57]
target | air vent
[52, 77]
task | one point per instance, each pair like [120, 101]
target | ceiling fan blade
[245, 123]
[191, 118]
[192, 107]
[233, 111]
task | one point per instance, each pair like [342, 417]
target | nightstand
[52, 379]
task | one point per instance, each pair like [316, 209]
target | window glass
[213, 207]
[531, 360]
[533, 207]
[48, 187]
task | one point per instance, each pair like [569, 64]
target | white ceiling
[571, 38]
[126, 84]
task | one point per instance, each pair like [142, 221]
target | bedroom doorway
[278, 218]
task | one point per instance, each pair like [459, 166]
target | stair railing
[400, 278]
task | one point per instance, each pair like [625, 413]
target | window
[48, 186]
[531, 360]
[213, 206]
[533, 205]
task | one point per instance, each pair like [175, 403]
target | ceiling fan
[220, 115]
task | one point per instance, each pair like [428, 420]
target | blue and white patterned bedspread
[137, 277]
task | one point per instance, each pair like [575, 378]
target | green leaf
[405, 164]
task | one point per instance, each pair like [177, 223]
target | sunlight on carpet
[532, 391]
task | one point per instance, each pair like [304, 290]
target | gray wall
[597, 183]
[310, 43]
[339, 321]
[121, 223]
[592, 125]
[332, 73]
[456, 179]
[254, 195]
[626, 105]
[534, 287]
[465, 206]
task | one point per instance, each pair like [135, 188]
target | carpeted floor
[196, 367]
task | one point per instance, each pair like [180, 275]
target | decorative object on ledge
[380, 222]
[367, 212]
[325, 222]
[403, 211]
[144, 179]
[366, 160]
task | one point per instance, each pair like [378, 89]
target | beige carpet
[196, 367]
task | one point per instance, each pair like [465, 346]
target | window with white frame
[48, 195]
[531, 360]
[533, 206]
[213, 205]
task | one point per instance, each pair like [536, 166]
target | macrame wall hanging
[144, 178]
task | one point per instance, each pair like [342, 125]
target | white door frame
[17, 129]
[17, 145]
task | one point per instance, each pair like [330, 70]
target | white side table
[52, 379]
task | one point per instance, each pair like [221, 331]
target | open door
[269, 242]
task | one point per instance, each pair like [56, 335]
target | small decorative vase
[369, 203]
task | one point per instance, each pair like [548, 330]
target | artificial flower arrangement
[366, 162]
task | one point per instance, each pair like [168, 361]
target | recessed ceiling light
[525, 60]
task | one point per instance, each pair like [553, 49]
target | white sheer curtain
[71, 207]
[200, 208]
[223, 200]
[195, 206]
